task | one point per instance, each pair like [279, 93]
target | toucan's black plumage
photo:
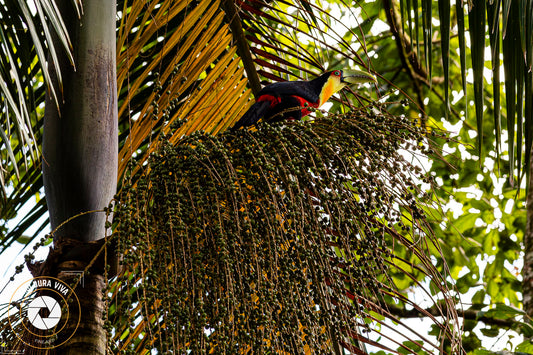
[294, 99]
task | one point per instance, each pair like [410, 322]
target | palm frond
[477, 22]
[300, 39]
[26, 39]
[176, 65]
[511, 23]
[31, 35]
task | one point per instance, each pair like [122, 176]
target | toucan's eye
[337, 73]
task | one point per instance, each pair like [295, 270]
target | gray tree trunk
[80, 154]
[80, 143]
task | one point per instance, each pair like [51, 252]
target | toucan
[296, 99]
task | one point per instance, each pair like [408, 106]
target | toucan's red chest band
[274, 100]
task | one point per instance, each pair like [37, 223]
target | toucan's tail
[254, 114]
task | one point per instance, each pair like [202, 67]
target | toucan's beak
[357, 77]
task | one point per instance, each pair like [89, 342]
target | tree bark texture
[89, 336]
[80, 143]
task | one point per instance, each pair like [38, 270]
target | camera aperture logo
[34, 312]
[44, 312]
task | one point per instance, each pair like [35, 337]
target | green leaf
[412, 347]
[490, 242]
[481, 204]
[526, 329]
[24, 239]
[459, 10]
[510, 49]
[427, 34]
[493, 12]
[503, 311]
[479, 297]
[465, 222]
[490, 332]
[444, 16]
[526, 347]
[476, 17]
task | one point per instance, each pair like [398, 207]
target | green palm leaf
[26, 32]
[512, 22]
[25, 40]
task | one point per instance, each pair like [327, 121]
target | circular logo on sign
[53, 308]
[41, 312]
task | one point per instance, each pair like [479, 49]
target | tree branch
[242, 45]
[468, 314]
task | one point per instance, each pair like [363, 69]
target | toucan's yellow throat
[333, 85]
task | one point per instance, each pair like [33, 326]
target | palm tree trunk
[80, 152]
[80, 143]
[89, 336]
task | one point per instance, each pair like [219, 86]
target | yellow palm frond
[190, 73]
